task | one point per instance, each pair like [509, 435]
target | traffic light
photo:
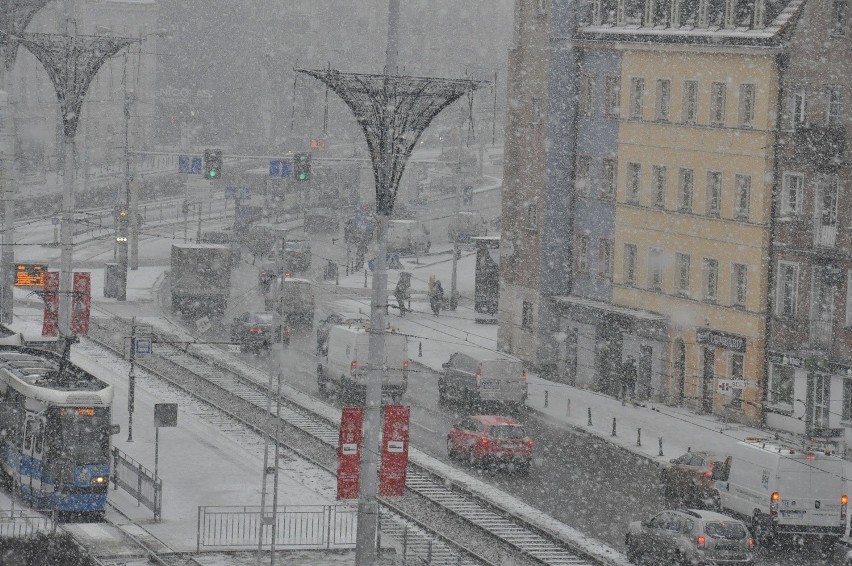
[212, 163]
[123, 220]
[302, 166]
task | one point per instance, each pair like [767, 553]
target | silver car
[689, 537]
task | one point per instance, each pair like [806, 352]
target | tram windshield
[83, 434]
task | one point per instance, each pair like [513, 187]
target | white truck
[343, 362]
[783, 491]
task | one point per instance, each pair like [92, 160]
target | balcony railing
[821, 334]
[825, 236]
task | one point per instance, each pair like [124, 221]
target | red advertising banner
[81, 303]
[394, 451]
[349, 452]
[51, 304]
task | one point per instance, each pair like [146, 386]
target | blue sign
[230, 192]
[188, 164]
[280, 168]
[392, 262]
[240, 193]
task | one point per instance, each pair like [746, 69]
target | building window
[612, 97]
[821, 400]
[714, 194]
[630, 264]
[791, 197]
[685, 186]
[587, 95]
[839, 15]
[747, 106]
[718, 92]
[634, 173]
[527, 315]
[849, 298]
[605, 260]
[711, 280]
[655, 269]
[742, 198]
[532, 217]
[690, 102]
[737, 373]
[609, 167]
[583, 254]
[637, 98]
[664, 100]
[781, 385]
[739, 285]
[833, 106]
[682, 262]
[659, 173]
[787, 287]
[584, 175]
[847, 399]
[800, 109]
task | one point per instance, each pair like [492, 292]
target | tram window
[39, 437]
[28, 435]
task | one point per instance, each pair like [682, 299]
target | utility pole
[131, 379]
[459, 186]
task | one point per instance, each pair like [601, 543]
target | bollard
[590, 417]
[420, 350]
[689, 449]
[613, 426]
[639, 437]
[661, 446]
[337, 277]
[365, 278]
[568, 407]
[545, 398]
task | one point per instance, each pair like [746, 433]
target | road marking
[424, 428]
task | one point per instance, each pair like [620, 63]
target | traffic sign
[240, 193]
[56, 221]
[203, 324]
[234, 348]
[189, 164]
[280, 168]
[144, 346]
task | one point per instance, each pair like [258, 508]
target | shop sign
[721, 339]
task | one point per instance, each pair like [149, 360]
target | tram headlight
[100, 480]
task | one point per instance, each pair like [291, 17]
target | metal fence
[294, 526]
[138, 481]
[18, 524]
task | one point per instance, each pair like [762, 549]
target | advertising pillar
[349, 452]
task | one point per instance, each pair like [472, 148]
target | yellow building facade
[695, 173]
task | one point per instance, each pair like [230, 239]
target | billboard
[30, 274]
[394, 451]
[51, 304]
[81, 303]
[349, 452]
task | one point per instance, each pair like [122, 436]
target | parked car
[254, 331]
[489, 378]
[689, 478]
[689, 536]
[488, 440]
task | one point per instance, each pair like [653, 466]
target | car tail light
[750, 543]
[530, 443]
[844, 500]
[773, 503]
[709, 473]
[701, 542]
[353, 367]
[809, 456]
[405, 364]
[483, 441]
[255, 330]
[524, 376]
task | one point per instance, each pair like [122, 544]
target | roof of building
[742, 29]
[637, 314]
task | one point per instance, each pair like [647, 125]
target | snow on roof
[599, 305]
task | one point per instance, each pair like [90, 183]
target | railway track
[450, 525]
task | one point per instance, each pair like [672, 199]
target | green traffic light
[302, 176]
[214, 173]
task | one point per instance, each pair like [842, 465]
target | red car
[491, 440]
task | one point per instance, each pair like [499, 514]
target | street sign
[280, 168]
[30, 274]
[234, 348]
[726, 385]
[189, 164]
[240, 193]
[165, 414]
[144, 346]
[203, 324]
[56, 221]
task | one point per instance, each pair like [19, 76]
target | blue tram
[55, 426]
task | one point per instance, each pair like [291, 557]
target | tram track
[489, 533]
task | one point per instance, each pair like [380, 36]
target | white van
[488, 378]
[343, 362]
[783, 491]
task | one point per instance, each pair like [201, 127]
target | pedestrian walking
[436, 299]
[402, 292]
[628, 380]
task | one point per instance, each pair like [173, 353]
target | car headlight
[100, 480]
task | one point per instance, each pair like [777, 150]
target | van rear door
[502, 380]
[810, 487]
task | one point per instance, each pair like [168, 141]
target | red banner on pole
[51, 304]
[394, 451]
[349, 452]
[81, 303]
